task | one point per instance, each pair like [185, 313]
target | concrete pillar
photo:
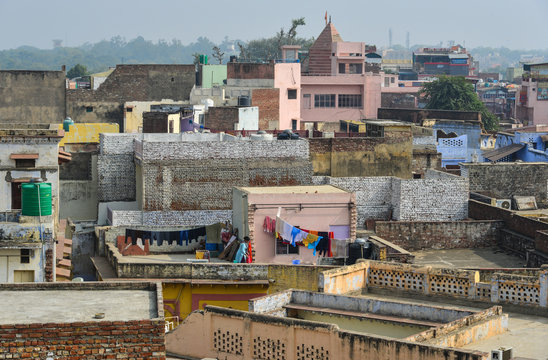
[543, 290]
[494, 289]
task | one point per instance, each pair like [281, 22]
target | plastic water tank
[67, 123]
[36, 199]
[244, 101]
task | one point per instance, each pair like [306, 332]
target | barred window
[324, 100]
[350, 101]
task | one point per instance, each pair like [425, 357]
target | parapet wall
[417, 235]
[168, 218]
[427, 281]
[221, 332]
[439, 197]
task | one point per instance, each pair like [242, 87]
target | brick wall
[221, 118]
[268, 101]
[418, 115]
[249, 71]
[85, 339]
[373, 195]
[32, 97]
[169, 218]
[417, 235]
[116, 178]
[425, 159]
[430, 199]
[440, 197]
[390, 155]
[503, 180]
[199, 175]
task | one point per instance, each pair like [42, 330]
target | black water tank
[244, 101]
[355, 252]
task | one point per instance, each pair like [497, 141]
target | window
[355, 68]
[386, 82]
[285, 249]
[350, 101]
[306, 101]
[293, 124]
[392, 80]
[292, 94]
[25, 256]
[342, 68]
[129, 109]
[324, 100]
[25, 163]
[373, 130]
[89, 108]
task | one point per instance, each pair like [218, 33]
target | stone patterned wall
[373, 195]
[503, 180]
[169, 218]
[200, 175]
[116, 177]
[431, 199]
[116, 144]
[417, 235]
[441, 197]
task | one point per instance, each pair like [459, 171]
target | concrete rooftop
[55, 306]
[468, 258]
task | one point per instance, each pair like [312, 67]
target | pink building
[337, 86]
[274, 87]
[532, 107]
[321, 208]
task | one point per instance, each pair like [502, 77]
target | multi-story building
[532, 108]
[454, 61]
[336, 86]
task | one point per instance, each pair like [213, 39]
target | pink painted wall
[288, 76]
[318, 219]
[540, 107]
[367, 84]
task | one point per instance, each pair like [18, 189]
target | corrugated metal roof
[499, 153]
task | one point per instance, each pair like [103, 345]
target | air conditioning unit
[503, 203]
[502, 354]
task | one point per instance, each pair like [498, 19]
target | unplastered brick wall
[504, 180]
[441, 199]
[199, 175]
[373, 195]
[97, 339]
[417, 235]
[116, 167]
[169, 218]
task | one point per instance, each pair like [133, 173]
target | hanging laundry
[213, 233]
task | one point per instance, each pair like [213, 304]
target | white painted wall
[10, 260]
[248, 118]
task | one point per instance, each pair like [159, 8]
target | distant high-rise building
[407, 41]
[390, 37]
[57, 43]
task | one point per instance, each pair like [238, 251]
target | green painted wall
[213, 75]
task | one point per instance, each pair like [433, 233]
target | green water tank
[67, 123]
[36, 199]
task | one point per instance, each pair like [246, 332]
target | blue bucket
[296, 262]
[211, 247]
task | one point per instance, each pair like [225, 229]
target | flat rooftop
[55, 305]
[468, 258]
[314, 189]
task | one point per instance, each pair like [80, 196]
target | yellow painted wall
[82, 133]
[302, 277]
[181, 298]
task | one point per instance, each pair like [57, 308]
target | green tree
[455, 93]
[77, 70]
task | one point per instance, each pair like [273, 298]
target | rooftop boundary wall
[86, 339]
[167, 218]
[530, 291]
[222, 332]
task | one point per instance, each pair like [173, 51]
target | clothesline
[314, 240]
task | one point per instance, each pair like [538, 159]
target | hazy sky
[517, 24]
